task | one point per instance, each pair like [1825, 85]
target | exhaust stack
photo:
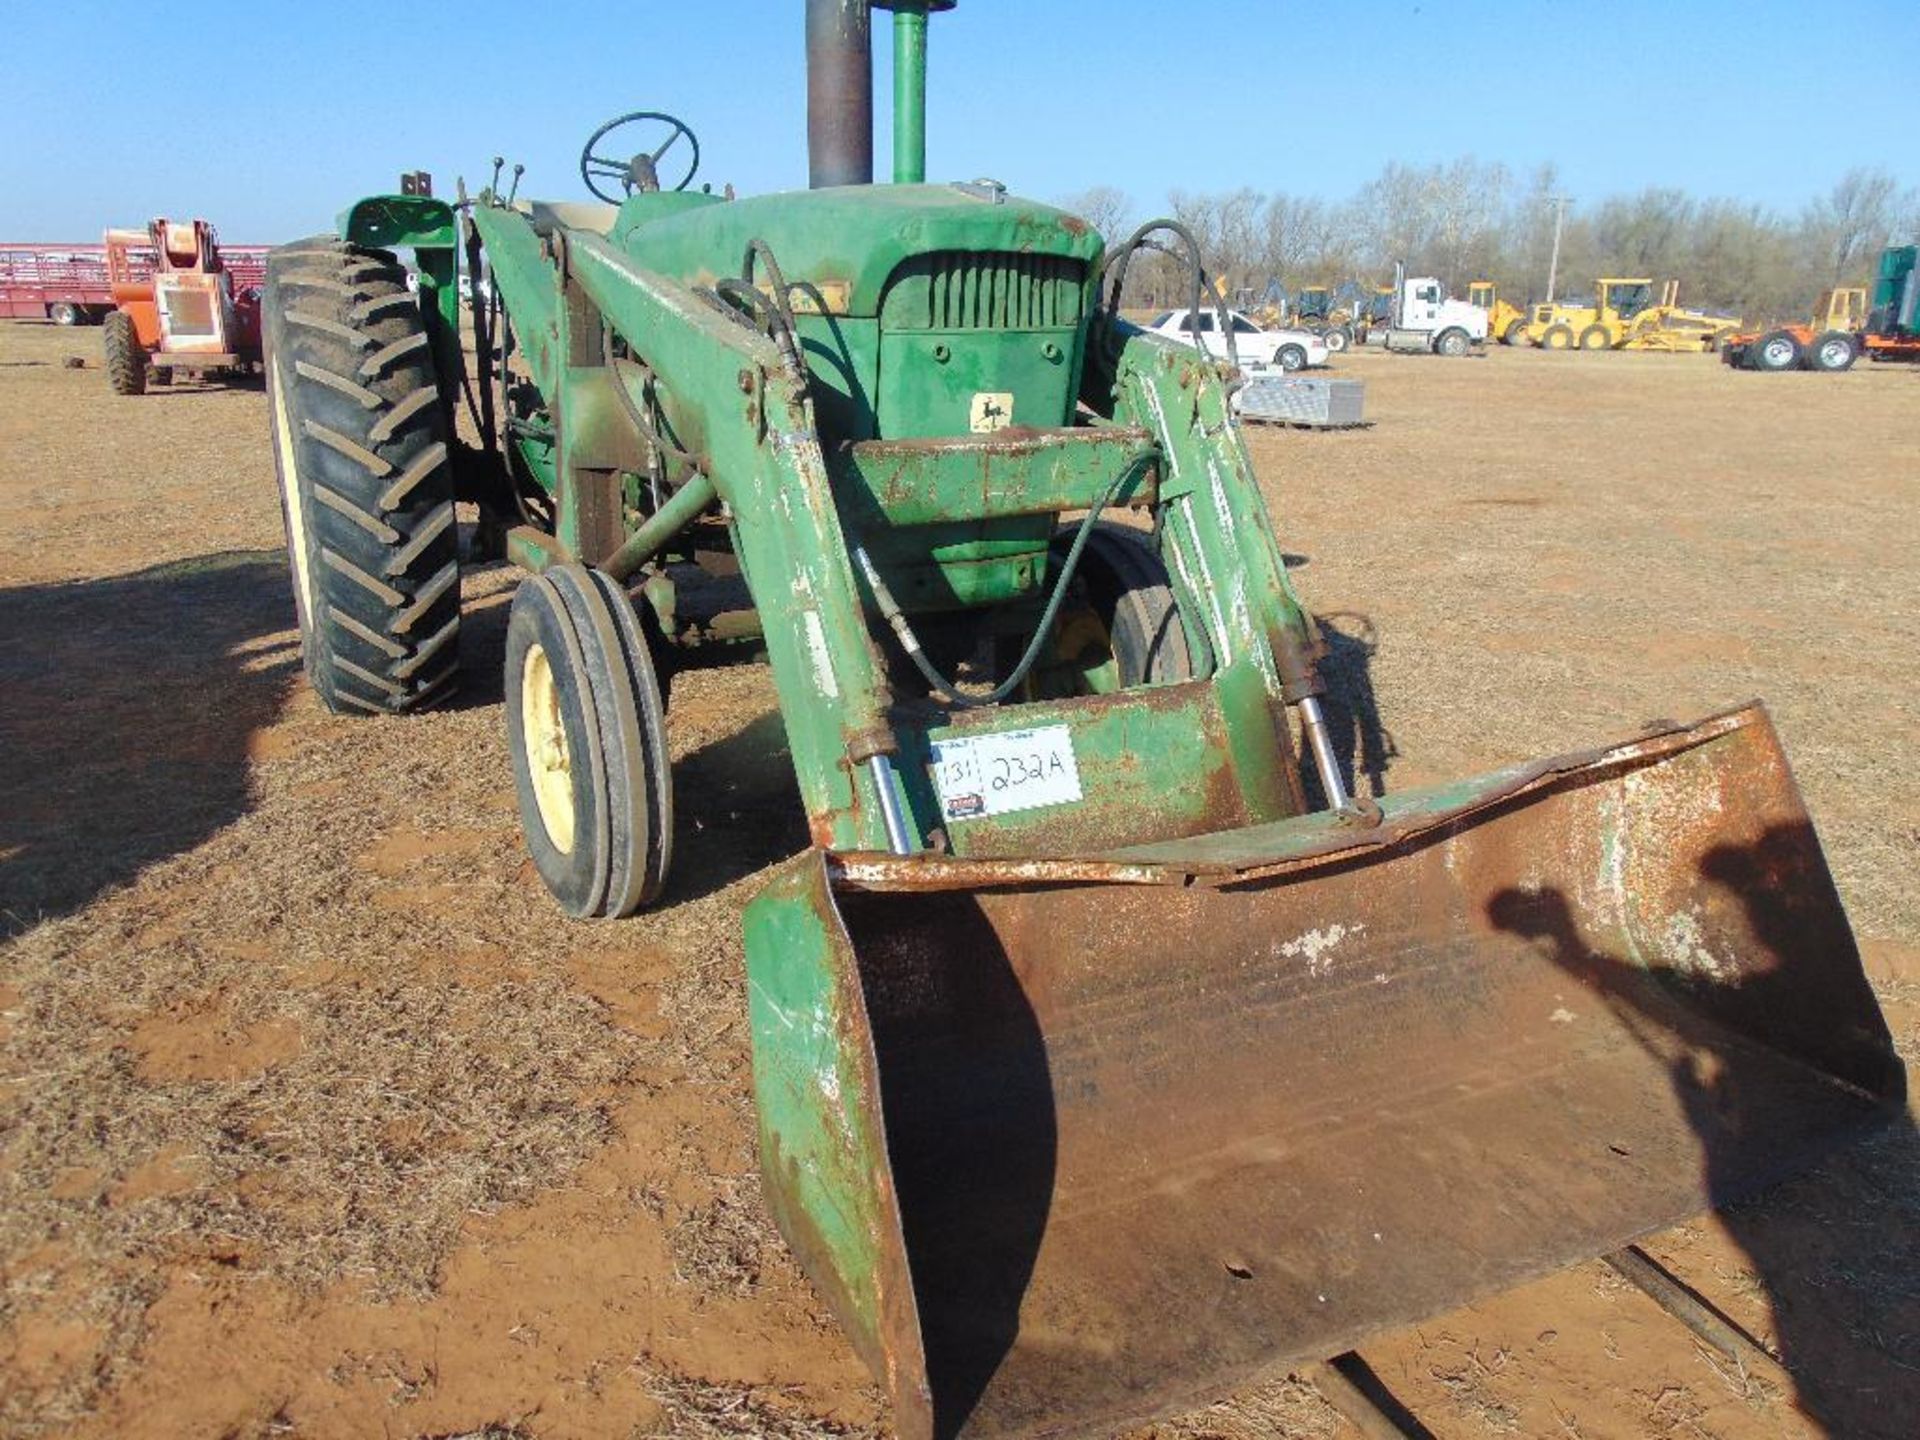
[839, 93]
[840, 90]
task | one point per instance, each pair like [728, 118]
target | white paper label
[981, 775]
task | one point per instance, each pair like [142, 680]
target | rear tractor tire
[366, 483]
[1833, 351]
[126, 356]
[1596, 337]
[1557, 337]
[586, 730]
[1776, 350]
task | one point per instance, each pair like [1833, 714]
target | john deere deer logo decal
[992, 410]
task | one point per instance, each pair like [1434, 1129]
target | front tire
[126, 356]
[1453, 343]
[1290, 358]
[1777, 350]
[366, 482]
[1338, 338]
[1123, 627]
[1557, 337]
[64, 312]
[586, 730]
[1516, 335]
[1596, 337]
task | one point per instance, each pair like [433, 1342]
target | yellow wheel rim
[549, 764]
[290, 495]
[1085, 648]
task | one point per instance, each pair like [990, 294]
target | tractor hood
[847, 241]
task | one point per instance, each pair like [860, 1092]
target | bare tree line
[1471, 220]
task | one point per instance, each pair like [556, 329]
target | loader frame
[757, 481]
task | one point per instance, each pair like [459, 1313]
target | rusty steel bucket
[1068, 1144]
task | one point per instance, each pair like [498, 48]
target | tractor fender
[382, 222]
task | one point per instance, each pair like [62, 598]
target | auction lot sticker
[982, 775]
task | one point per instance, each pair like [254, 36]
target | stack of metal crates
[1292, 399]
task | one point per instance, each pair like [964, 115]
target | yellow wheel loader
[1506, 322]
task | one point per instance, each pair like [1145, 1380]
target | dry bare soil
[318, 1120]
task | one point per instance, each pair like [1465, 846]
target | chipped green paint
[822, 1143]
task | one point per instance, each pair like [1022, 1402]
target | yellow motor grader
[1625, 315]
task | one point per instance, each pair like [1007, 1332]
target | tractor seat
[546, 216]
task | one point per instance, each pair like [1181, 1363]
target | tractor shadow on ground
[1749, 1058]
[483, 646]
[736, 809]
[1362, 743]
[123, 733]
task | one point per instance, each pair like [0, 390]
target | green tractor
[1108, 1051]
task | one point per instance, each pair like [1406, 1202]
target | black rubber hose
[940, 685]
[1142, 239]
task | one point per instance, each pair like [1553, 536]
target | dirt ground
[319, 1121]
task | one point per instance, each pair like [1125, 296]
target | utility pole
[1560, 203]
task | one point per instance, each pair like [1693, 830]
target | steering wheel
[641, 170]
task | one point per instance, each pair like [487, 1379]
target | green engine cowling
[926, 312]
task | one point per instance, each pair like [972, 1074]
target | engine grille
[984, 290]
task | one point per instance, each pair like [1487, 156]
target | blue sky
[268, 117]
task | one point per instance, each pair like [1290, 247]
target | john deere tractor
[1107, 1052]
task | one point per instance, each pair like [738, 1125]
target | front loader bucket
[1067, 1144]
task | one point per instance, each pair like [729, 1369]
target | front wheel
[1121, 626]
[1290, 358]
[1778, 350]
[63, 312]
[1338, 338]
[126, 356]
[1596, 337]
[366, 483]
[1516, 335]
[586, 728]
[1557, 337]
[1454, 343]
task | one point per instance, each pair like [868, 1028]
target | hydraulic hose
[940, 685]
[1142, 239]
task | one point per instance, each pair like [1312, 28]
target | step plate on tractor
[1157, 1123]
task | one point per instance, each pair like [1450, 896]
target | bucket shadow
[1832, 1249]
[967, 1093]
[127, 706]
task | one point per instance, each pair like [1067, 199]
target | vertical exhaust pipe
[840, 90]
[839, 93]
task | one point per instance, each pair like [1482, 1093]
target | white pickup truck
[1258, 349]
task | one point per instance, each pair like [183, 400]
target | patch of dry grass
[697, 1410]
[1289, 1409]
[419, 1073]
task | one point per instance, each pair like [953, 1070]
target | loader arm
[727, 395]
